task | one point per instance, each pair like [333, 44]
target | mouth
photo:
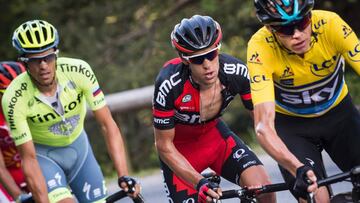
[300, 45]
[209, 75]
[45, 75]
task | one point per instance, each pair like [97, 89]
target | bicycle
[247, 195]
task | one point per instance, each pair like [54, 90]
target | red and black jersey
[177, 96]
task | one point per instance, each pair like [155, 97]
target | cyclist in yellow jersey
[45, 109]
[301, 101]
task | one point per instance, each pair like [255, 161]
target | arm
[113, 140]
[172, 157]
[34, 178]
[7, 181]
[264, 115]
[114, 144]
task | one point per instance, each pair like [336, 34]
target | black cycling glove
[129, 181]
[302, 182]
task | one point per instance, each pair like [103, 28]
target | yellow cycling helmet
[35, 36]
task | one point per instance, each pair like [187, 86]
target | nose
[43, 64]
[297, 33]
[206, 63]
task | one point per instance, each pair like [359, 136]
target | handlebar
[121, 194]
[249, 194]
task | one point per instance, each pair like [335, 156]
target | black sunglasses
[199, 58]
[290, 29]
[38, 59]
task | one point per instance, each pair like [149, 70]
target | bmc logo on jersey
[237, 69]
[165, 88]
[188, 117]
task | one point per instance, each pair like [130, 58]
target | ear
[269, 28]
[182, 59]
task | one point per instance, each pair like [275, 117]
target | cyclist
[45, 111]
[191, 93]
[301, 101]
[12, 181]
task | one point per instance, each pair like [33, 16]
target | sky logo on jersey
[97, 91]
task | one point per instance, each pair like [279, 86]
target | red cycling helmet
[8, 71]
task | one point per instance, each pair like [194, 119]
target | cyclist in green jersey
[45, 109]
[301, 101]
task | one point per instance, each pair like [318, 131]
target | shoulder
[172, 69]
[232, 67]
[18, 93]
[262, 37]
[322, 14]
[76, 69]
[71, 64]
[19, 86]
[325, 20]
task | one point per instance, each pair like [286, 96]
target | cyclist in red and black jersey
[191, 93]
[12, 181]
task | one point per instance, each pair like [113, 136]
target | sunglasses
[36, 60]
[199, 58]
[290, 29]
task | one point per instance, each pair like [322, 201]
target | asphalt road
[153, 190]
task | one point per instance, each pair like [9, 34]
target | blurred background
[127, 42]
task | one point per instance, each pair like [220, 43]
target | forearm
[116, 149]
[264, 119]
[35, 180]
[275, 147]
[179, 165]
[8, 182]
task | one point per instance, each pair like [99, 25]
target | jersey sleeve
[163, 104]
[14, 108]
[87, 81]
[260, 62]
[345, 41]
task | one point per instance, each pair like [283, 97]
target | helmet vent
[44, 33]
[37, 35]
[28, 36]
[199, 35]
[189, 38]
[52, 32]
[21, 39]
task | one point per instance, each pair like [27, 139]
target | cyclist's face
[298, 42]
[206, 73]
[42, 66]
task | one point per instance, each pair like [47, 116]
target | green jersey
[31, 117]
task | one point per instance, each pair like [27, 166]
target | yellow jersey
[307, 86]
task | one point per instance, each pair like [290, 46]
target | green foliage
[127, 42]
